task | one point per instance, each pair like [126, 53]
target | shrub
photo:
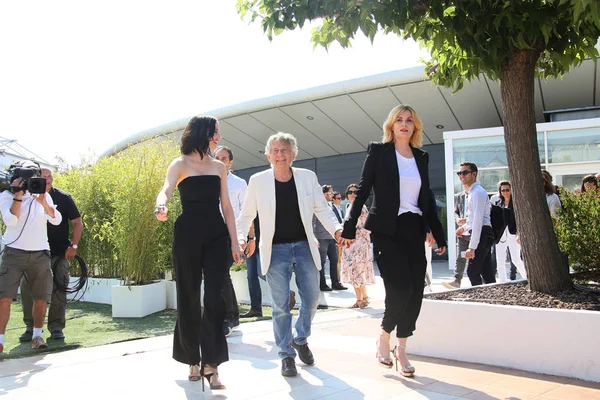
[578, 228]
[115, 197]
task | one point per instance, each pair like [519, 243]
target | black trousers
[197, 331]
[232, 310]
[480, 269]
[402, 264]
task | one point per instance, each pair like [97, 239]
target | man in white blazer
[286, 199]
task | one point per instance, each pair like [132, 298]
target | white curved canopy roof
[343, 117]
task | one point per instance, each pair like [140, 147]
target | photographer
[27, 252]
[61, 250]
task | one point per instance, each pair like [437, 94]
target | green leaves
[465, 37]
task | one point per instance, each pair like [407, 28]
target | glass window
[487, 152]
[574, 145]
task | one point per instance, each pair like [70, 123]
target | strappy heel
[406, 370]
[195, 375]
[212, 372]
[365, 302]
[384, 362]
[357, 304]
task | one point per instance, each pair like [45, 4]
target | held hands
[461, 221]
[460, 231]
[343, 242]
[250, 248]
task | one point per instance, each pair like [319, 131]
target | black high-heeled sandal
[213, 372]
[384, 362]
[406, 370]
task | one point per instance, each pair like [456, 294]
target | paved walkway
[343, 342]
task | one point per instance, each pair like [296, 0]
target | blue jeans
[285, 258]
[253, 272]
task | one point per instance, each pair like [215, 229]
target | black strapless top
[200, 193]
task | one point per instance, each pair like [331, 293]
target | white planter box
[542, 340]
[138, 301]
[171, 295]
[98, 290]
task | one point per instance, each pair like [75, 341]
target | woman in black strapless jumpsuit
[203, 245]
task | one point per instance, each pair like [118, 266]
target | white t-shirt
[410, 185]
[33, 235]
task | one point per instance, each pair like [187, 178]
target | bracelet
[18, 200]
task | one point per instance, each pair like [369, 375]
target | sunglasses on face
[589, 180]
[337, 198]
[463, 173]
[352, 191]
[505, 190]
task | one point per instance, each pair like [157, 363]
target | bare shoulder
[219, 167]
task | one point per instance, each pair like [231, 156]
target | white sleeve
[6, 201]
[248, 211]
[57, 219]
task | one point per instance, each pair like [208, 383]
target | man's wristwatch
[73, 246]
[250, 238]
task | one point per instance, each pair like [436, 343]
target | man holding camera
[26, 252]
[61, 250]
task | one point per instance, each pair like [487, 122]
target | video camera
[29, 171]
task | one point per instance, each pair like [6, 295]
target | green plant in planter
[578, 228]
[115, 196]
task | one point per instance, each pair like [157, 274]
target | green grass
[92, 324]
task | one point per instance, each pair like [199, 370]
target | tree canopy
[464, 37]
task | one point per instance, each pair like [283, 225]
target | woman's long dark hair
[197, 135]
[503, 183]
[588, 178]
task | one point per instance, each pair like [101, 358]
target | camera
[30, 172]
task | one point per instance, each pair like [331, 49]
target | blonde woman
[397, 172]
[357, 260]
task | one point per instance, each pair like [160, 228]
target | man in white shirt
[26, 252]
[478, 226]
[236, 187]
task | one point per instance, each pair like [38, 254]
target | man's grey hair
[287, 137]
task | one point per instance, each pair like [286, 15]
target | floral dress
[357, 260]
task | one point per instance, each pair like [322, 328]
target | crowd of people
[285, 224]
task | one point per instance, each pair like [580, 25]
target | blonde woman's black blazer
[380, 174]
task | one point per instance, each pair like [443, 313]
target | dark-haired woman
[203, 244]
[397, 171]
[509, 240]
[551, 197]
[589, 182]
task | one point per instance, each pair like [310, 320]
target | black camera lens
[36, 185]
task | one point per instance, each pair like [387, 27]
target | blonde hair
[416, 139]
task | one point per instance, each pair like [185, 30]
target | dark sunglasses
[590, 180]
[505, 190]
[463, 173]
[352, 191]
[337, 198]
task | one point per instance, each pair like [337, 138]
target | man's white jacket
[260, 197]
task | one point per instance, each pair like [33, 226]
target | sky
[76, 77]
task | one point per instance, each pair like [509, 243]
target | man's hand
[338, 235]
[242, 244]
[250, 248]
[461, 221]
[70, 253]
[460, 231]
[470, 254]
